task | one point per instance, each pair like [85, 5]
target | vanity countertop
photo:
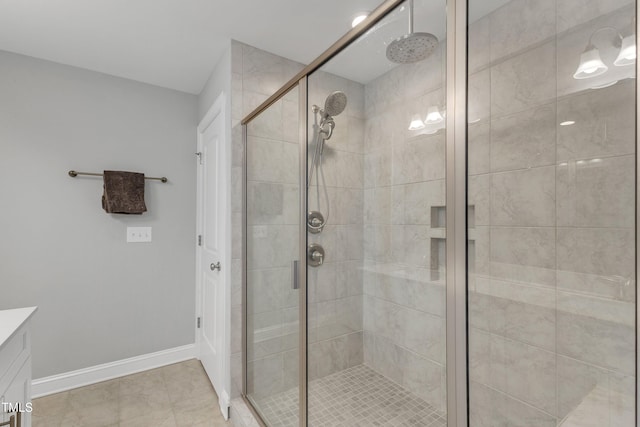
[11, 320]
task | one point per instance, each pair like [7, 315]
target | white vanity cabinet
[15, 366]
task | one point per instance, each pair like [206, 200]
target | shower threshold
[356, 396]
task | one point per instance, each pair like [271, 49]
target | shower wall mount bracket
[315, 222]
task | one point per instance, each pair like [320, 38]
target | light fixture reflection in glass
[604, 85]
[590, 64]
[416, 123]
[568, 123]
[433, 116]
[627, 55]
[359, 18]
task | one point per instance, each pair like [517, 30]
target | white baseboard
[107, 371]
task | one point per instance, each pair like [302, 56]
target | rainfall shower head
[412, 47]
[335, 103]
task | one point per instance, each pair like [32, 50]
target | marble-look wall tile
[266, 160]
[597, 193]
[422, 333]
[597, 341]
[265, 376]
[237, 146]
[479, 96]
[263, 72]
[479, 247]
[423, 378]
[610, 287]
[377, 205]
[531, 375]
[522, 313]
[272, 246]
[419, 198]
[479, 47]
[265, 290]
[236, 99]
[291, 373]
[572, 13]
[479, 196]
[377, 167]
[517, 273]
[490, 408]
[524, 140]
[520, 24]
[524, 246]
[524, 198]
[622, 402]
[524, 81]
[600, 251]
[604, 123]
[479, 148]
[419, 159]
[327, 357]
[269, 123]
[576, 380]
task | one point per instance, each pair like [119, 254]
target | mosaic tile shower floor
[355, 397]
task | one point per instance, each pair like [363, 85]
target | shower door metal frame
[456, 217]
[456, 230]
[637, 223]
[302, 266]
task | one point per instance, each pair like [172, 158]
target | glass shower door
[551, 225]
[272, 241]
[375, 227]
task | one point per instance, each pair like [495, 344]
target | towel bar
[73, 174]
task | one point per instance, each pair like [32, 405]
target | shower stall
[440, 222]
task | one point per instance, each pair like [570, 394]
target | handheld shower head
[335, 103]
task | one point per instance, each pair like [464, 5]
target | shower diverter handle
[315, 255]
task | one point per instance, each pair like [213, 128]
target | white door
[213, 262]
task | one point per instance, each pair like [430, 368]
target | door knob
[215, 266]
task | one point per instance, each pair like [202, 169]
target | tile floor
[177, 395]
[354, 397]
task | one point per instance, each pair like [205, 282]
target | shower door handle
[294, 275]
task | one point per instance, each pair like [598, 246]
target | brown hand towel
[123, 192]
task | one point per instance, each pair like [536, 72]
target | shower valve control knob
[315, 255]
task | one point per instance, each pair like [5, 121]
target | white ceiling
[169, 43]
[176, 43]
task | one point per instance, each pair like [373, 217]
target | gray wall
[100, 298]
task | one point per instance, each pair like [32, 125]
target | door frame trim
[218, 108]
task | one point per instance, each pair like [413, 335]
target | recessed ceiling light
[359, 18]
[568, 123]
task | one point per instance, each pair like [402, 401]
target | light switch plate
[138, 234]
